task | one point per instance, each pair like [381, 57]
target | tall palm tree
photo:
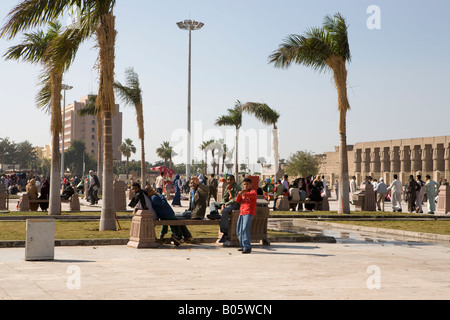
[97, 19]
[224, 156]
[233, 118]
[165, 152]
[205, 148]
[325, 49]
[90, 109]
[42, 48]
[131, 93]
[127, 148]
[268, 116]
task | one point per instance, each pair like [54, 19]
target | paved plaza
[355, 268]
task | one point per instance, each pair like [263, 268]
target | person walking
[411, 189]
[381, 194]
[177, 188]
[94, 185]
[396, 194]
[420, 194]
[160, 183]
[432, 190]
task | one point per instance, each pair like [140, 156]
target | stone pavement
[352, 268]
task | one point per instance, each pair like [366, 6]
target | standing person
[94, 185]
[411, 189]
[247, 198]
[160, 183]
[285, 182]
[396, 194]
[336, 189]
[432, 190]
[420, 194]
[228, 205]
[177, 187]
[353, 188]
[212, 188]
[381, 190]
[45, 192]
[33, 194]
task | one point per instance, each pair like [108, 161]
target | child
[247, 198]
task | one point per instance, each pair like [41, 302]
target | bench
[143, 234]
[24, 203]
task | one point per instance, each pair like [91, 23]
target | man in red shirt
[247, 198]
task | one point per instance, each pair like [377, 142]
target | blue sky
[399, 77]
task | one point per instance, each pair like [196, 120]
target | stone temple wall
[403, 157]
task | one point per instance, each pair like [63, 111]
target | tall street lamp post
[65, 87]
[189, 25]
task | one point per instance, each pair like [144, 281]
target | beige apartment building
[383, 159]
[85, 128]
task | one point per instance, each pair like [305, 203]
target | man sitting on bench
[68, 192]
[165, 212]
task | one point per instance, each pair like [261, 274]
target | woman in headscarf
[32, 192]
[177, 186]
[45, 190]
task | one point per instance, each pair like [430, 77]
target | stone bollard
[142, 233]
[120, 195]
[24, 203]
[40, 244]
[75, 203]
[3, 198]
[282, 203]
[221, 189]
[443, 206]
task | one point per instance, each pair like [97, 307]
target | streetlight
[65, 87]
[189, 25]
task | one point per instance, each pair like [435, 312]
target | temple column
[416, 161]
[447, 163]
[375, 164]
[366, 161]
[357, 160]
[384, 161]
[405, 160]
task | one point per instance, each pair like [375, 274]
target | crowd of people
[201, 189]
[415, 192]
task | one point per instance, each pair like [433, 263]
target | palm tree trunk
[106, 35]
[340, 76]
[56, 129]
[99, 149]
[107, 221]
[236, 163]
[143, 165]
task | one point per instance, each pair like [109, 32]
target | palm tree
[90, 109]
[325, 48]
[165, 152]
[127, 148]
[233, 118]
[270, 117]
[97, 19]
[224, 156]
[131, 93]
[55, 54]
[205, 148]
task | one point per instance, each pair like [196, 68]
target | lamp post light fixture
[189, 25]
[65, 87]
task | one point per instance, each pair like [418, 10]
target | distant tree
[303, 163]
[127, 148]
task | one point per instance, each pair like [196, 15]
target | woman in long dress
[177, 186]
